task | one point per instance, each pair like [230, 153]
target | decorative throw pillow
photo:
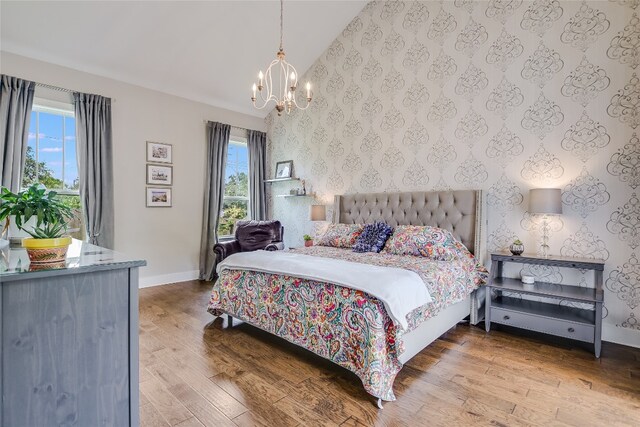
[340, 235]
[431, 242]
[373, 237]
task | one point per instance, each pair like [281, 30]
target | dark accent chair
[251, 236]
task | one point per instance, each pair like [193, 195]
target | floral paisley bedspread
[346, 326]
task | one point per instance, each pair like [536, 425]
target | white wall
[168, 238]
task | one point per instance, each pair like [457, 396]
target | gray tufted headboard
[460, 212]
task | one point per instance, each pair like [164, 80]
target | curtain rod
[62, 89]
[205, 121]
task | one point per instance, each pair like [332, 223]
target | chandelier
[279, 83]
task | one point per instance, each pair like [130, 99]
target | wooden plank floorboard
[195, 371]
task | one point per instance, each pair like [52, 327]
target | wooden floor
[194, 371]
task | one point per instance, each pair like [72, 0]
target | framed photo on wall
[159, 175]
[158, 152]
[284, 169]
[158, 197]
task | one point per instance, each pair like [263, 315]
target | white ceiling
[206, 51]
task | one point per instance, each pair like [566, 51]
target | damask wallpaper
[499, 95]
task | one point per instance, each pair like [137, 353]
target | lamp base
[544, 250]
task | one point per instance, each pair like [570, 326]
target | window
[51, 158]
[235, 204]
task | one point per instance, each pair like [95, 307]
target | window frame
[60, 109]
[66, 110]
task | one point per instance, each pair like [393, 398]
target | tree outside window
[235, 204]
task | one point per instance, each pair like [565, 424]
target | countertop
[82, 257]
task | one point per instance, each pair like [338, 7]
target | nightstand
[549, 318]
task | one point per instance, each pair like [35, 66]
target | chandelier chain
[281, 22]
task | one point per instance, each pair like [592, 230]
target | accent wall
[502, 96]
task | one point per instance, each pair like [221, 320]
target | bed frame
[461, 212]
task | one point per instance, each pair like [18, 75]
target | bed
[352, 328]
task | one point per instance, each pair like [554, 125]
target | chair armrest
[275, 246]
[224, 249]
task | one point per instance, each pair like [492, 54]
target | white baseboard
[624, 336]
[146, 282]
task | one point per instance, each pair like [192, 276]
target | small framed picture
[158, 197]
[159, 153]
[284, 169]
[159, 175]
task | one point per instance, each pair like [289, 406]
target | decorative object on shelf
[158, 197]
[159, 153]
[48, 241]
[284, 169]
[304, 189]
[545, 201]
[159, 175]
[308, 240]
[284, 95]
[528, 282]
[528, 279]
[516, 248]
[293, 192]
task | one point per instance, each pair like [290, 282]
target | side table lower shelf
[568, 322]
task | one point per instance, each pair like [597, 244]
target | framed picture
[284, 169]
[158, 197]
[159, 175]
[159, 153]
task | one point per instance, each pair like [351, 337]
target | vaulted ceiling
[205, 51]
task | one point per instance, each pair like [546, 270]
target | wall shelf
[294, 195]
[269, 181]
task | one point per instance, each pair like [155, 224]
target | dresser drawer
[547, 325]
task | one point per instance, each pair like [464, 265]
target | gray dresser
[69, 339]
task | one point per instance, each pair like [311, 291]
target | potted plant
[516, 248]
[48, 241]
[308, 240]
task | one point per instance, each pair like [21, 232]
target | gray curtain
[95, 166]
[16, 100]
[257, 147]
[217, 145]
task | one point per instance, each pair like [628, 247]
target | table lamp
[317, 213]
[545, 202]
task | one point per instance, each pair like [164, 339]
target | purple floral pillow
[373, 237]
[430, 242]
[340, 235]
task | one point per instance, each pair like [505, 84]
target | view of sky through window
[51, 153]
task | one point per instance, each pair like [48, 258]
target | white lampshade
[545, 201]
[318, 213]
